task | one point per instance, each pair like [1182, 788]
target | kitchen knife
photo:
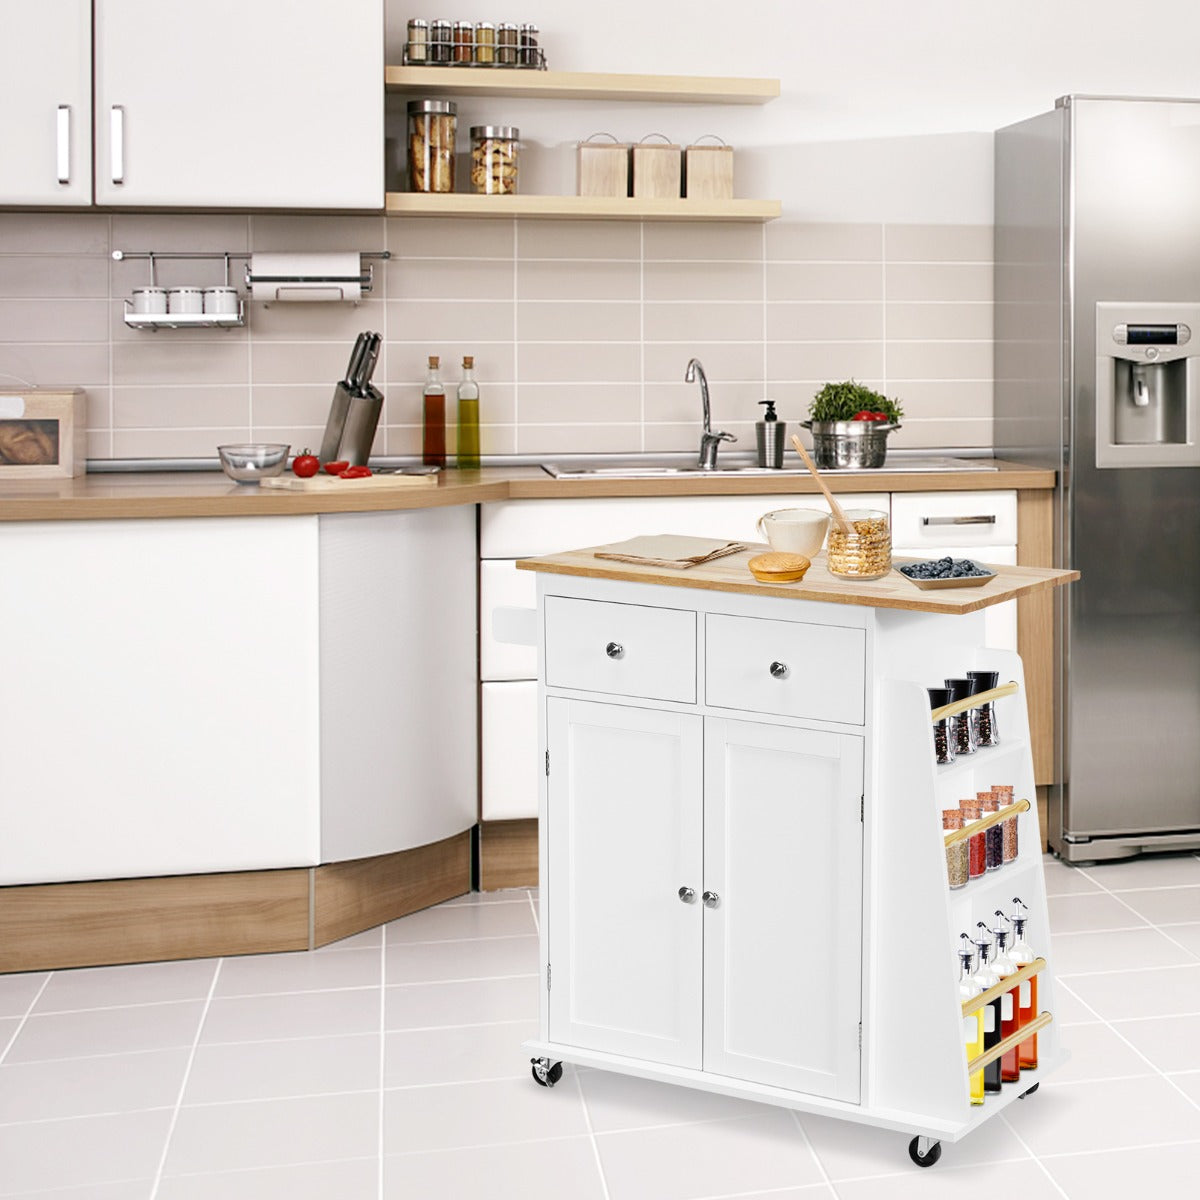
[367, 367]
[356, 359]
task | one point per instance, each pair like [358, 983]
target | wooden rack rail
[1005, 985]
[1003, 1047]
[969, 831]
[961, 706]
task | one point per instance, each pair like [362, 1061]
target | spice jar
[1009, 824]
[506, 44]
[441, 42]
[983, 716]
[494, 159]
[418, 40]
[432, 125]
[958, 855]
[961, 737]
[464, 41]
[990, 803]
[529, 46]
[485, 42]
[972, 810]
[943, 750]
[865, 552]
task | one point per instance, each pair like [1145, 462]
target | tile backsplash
[580, 330]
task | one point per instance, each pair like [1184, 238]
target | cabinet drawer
[933, 519]
[625, 649]
[819, 669]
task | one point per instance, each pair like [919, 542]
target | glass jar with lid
[432, 127]
[418, 41]
[441, 42]
[863, 550]
[494, 159]
[485, 43]
[507, 46]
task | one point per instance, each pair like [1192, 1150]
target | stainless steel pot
[849, 444]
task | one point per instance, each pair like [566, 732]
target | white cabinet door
[624, 825]
[46, 102]
[274, 104]
[782, 939]
[509, 763]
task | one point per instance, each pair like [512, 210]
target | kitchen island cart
[744, 875]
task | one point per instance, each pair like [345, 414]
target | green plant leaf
[840, 401]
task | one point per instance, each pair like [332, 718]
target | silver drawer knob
[614, 650]
[711, 899]
[687, 894]
[779, 670]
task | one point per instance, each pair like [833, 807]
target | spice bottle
[506, 44]
[485, 43]
[464, 41]
[960, 723]
[972, 810]
[432, 126]
[529, 46]
[986, 978]
[957, 853]
[1004, 966]
[943, 751]
[989, 804]
[968, 989]
[1027, 993]
[494, 159]
[1008, 827]
[467, 452]
[441, 42]
[418, 41]
[983, 716]
[433, 417]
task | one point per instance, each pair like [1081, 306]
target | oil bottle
[433, 417]
[1027, 993]
[467, 446]
[968, 989]
[986, 978]
[1005, 967]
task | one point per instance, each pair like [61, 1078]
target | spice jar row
[991, 848]
[432, 141]
[440, 43]
[965, 732]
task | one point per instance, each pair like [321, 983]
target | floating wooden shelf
[579, 208]
[570, 85]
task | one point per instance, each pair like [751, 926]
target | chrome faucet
[709, 441]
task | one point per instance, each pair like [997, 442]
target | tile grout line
[1003, 1115]
[187, 1071]
[536, 922]
[795, 1115]
[591, 1133]
[25, 1017]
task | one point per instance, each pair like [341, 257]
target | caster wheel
[545, 1073]
[1029, 1091]
[931, 1155]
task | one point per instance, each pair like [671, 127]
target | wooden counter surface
[211, 494]
[730, 574]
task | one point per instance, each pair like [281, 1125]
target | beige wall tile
[449, 279]
[83, 365]
[294, 405]
[938, 243]
[33, 276]
[963, 433]
[671, 438]
[824, 281]
[666, 362]
[53, 233]
[679, 403]
[319, 322]
[567, 279]
[176, 443]
[939, 360]
[445, 237]
[701, 240]
[703, 323]
[794, 241]
[99, 443]
[283, 232]
[407, 363]
[950, 398]
[578, 321]
[188, 232]
[607, 240]
[968, 320]
[404, 439]
[454, 320]
[302, 362]
[939, 281]
[180, 407]
[54, 320]
[579, 439]
[560, 362]
[703, 281]
[824, 360]
[823, 320]
[156, 360]
[578, 403]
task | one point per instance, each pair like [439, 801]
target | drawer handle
[614, 650]
[687, 894]
[981, 519]
[779, 670]
[711, 899]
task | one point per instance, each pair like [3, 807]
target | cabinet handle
[63, 144]
[614, 650]
[687, 894]
[779, 670]
[981, 519]
[711, 899]
[117, 149]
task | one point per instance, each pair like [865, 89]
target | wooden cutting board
[331, 483]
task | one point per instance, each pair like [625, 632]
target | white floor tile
[1166, 906]
[1170, 1043]
[1062, 880]
[1148, 871]
[274, 1070]
[1069, 1009]
[258, 974]
[458, 1054]
[269, 1133]
[131, 1189]
[1098, 1053]
[1118, 950]
[503, 896]
[714, 1158]
[1188, 936]
[106, 1031]
[1093, 911]
[84, 1151]
[1113, 1174]
[475, 1002]
[564, 1169]
[348, 1179]
[616, 1102]
[139, 983]
[447, 922]
[1100, 1115]
[293, 1015]
[1161, 992]
[488, 958]
[1189, 1083]
[79, 1087]
[17, 992]
[8, 1028]
[367, 940]
[1025, 1179]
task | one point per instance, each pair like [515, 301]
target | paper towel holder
[312, 285]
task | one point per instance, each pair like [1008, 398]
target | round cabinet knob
[779, 670]
[687, 894]
[614, 650]
[711, 899]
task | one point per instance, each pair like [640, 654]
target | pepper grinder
[769, 434]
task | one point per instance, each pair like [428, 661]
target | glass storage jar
[958, 860]
[494, 159]
[418, 41]
[485, 43]
[865, 551]
[432, 126]
[441, 42]
[943, 747]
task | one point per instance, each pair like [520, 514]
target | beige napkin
[669, 550]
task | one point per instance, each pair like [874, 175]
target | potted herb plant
[850, 423]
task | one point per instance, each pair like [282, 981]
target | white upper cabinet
[46, 103]
[273, 104]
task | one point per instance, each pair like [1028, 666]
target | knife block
[350, 428]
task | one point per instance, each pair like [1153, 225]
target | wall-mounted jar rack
[182, 320]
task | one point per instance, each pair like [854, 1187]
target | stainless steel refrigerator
[1097, 328]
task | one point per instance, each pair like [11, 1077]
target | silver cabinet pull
[614, 650]
[779, 670]
[118, 143]
[980, 519]
[63, 143]
[687, 894]
[711, 899]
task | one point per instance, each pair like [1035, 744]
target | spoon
[839, 515]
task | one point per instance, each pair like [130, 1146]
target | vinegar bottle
[1027, 993]
[986, 978]
[972, 1025]
[1004, 966]
[467, 452]
[433, 417]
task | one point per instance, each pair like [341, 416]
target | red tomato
[867, 415]
[336, 467]
[305, 465]
[354, 473]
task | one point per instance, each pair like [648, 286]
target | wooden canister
[657, 169]
[708, 170]
[603, 167]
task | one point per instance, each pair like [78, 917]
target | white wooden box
[43, 433]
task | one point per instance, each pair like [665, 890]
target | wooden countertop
[730, 574]
[211, 494]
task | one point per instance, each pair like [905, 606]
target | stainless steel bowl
[252, 461]
[849, 444]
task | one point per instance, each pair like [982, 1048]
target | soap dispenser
[769, 433]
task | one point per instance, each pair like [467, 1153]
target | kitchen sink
[644, 470]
